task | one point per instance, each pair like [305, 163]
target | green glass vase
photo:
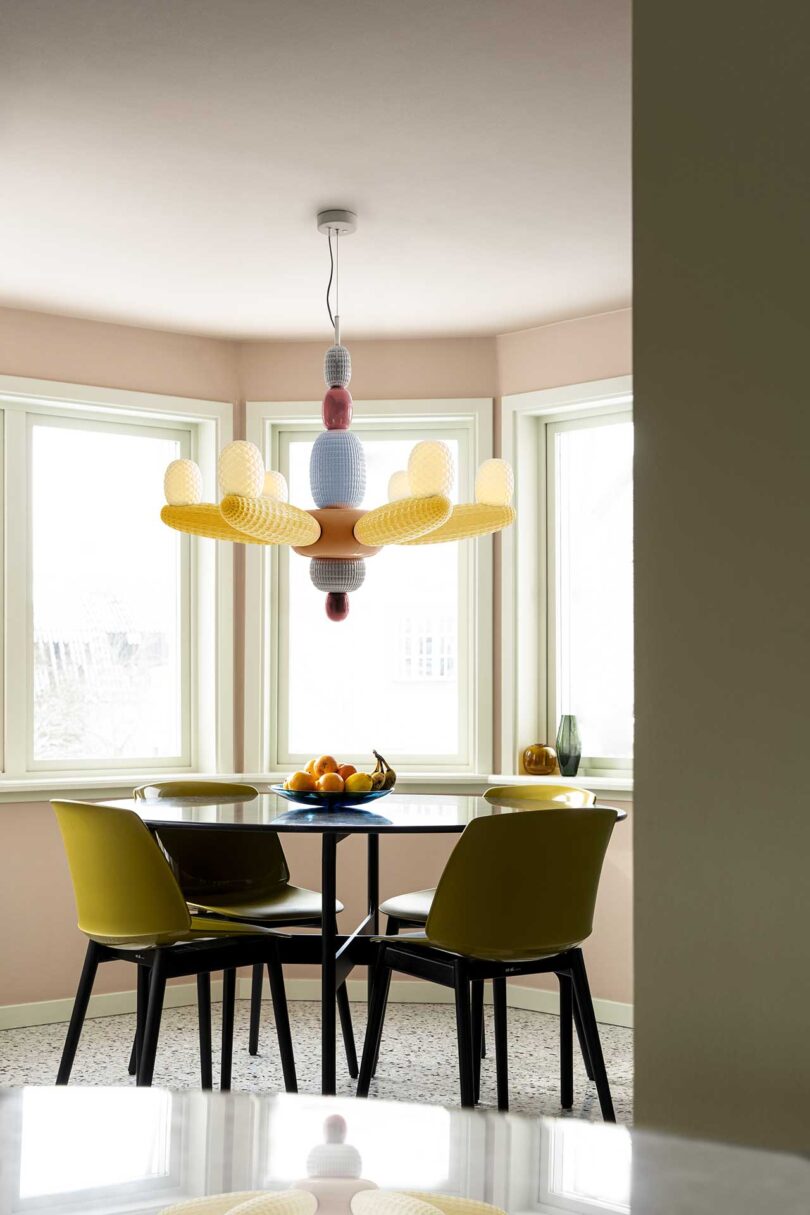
[569, 748]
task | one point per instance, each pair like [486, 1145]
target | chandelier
[338, 536]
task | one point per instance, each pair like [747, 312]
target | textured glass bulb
[494, 483]
[430, 469]
[182, 483]
[398, 487]
[275, 486]
[241, 469]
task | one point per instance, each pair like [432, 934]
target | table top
[399, 812]
[95, 1151]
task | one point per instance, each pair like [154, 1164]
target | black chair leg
[376, 1017]
[88, 976]
[477, 1020]
[501, 1042]
[151, 1029]
[142, 997]
[590, 1029]
[566, 1041]
[466, 1076]
[345, 1013]
[255, 1008]
[282, 1019]
[228, 1007]
[583, 1045]
[204, 1020]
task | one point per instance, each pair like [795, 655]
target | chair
[131, 908]
[241, 875]
[224, 790]
[411, 910]
[516, 897]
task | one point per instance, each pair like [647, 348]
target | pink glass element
[337, 605]
[337, 409]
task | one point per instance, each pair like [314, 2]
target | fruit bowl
[329, 801]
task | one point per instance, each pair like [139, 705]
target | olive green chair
[225, 791]
[131, 908]
[411, 910]
[517, 897]
[239, 874]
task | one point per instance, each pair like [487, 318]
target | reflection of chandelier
[337, 535]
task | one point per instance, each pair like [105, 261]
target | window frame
[265, 583]
[207, 669]
[527, 710]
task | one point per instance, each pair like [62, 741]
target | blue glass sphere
[337, 469]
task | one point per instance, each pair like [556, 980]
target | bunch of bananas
[383, 776]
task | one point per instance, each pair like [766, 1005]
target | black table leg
[373, 897]
[328, 962]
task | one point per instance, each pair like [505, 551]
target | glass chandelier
[338, 535]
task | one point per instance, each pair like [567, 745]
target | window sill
[38, 789]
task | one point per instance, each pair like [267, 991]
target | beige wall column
[722, 826]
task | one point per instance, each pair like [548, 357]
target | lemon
[358, 782]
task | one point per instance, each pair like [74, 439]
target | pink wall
[570, 352]
[116, 356]
[41, 958]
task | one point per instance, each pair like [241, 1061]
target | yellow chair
[516, 897]
[225, 791]
[411, 910]
[239, 874]
[131, 908]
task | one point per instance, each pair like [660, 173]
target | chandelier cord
[331, 275]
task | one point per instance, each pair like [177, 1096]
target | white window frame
[203, 427]
[528, 695]
[265, 583]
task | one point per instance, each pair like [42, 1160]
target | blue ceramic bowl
[329, 801]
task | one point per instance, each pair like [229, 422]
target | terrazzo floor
[417, 1061]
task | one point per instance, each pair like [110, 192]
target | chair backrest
[124, 888]
[221, 862]
[538, 797]
[521, 886]
[215, 789]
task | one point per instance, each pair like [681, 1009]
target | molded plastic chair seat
[412, 908]
[289, 905]
[221, 790]
[131, 908]
[516, 897]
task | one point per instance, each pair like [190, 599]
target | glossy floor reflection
[108, 1151]
[417, 1063]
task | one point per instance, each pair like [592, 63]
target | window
[585, 1171]
[113, 643]
[589, 465]
[402, 673]
[566, 592]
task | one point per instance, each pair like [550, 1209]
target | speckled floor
[417, 1062]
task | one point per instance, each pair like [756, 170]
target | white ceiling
[162, 162]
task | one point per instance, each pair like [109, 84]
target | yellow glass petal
[270, 521]
[398, 522]
[204, 519]
[472, 519]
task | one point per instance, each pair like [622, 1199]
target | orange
[326, 763]
[330, 782]
[310, 767]
[346, 770]
[301, 782]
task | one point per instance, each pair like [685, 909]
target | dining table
[396, 815]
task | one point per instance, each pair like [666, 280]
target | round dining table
[338, 953]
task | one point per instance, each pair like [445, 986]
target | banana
[378, 775]
[388, 773]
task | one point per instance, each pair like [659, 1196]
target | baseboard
[403, 991]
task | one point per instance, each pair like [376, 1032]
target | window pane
[386, 677]
[106, 597]
[594, 576]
